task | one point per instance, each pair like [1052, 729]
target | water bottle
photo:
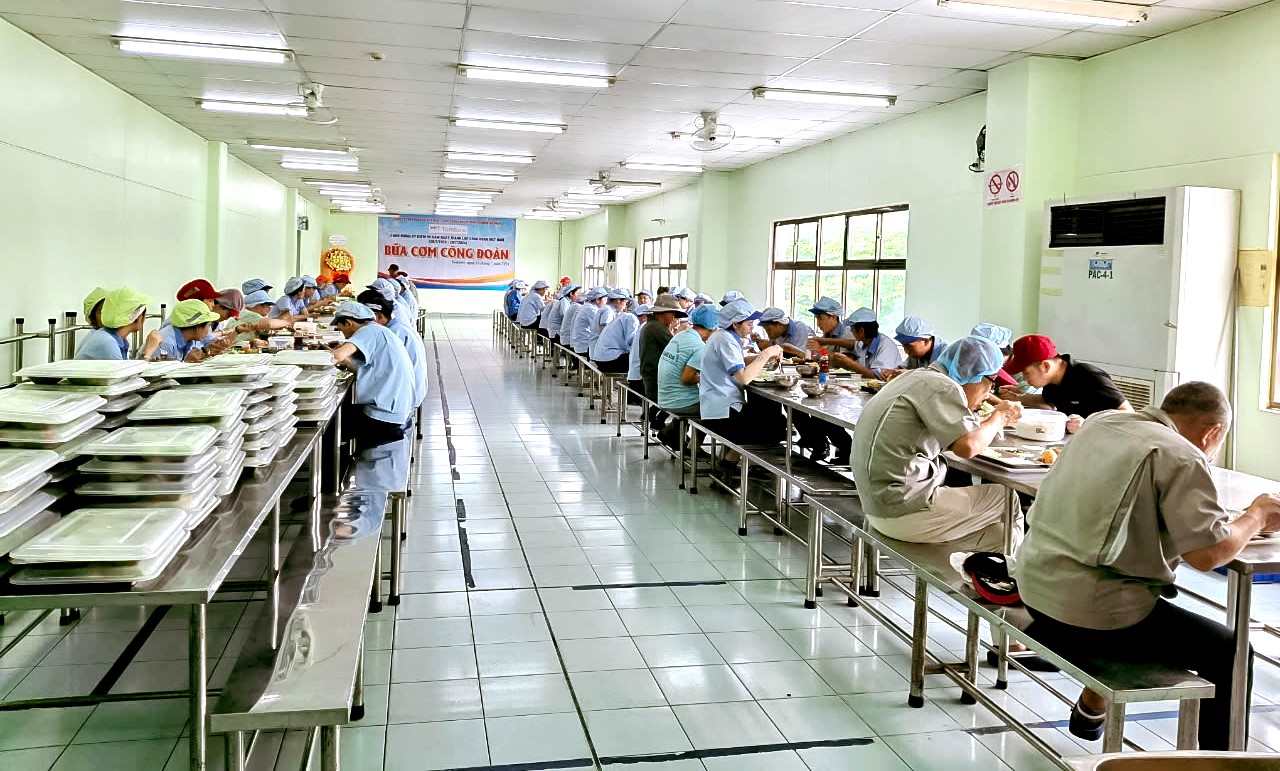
[824, 365]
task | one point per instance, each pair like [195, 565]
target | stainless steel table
[841, 405]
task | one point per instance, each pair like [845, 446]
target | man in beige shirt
[1132, 498]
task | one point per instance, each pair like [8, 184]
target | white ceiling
[671, 59]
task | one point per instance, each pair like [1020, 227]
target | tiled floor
[538, 663]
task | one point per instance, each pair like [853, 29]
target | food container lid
[161, 369]
[283, 373]
[147, 484]
[196, 464]
[118, 388]
[19, 515]
[238, 360]
[257, 397]
[256, 412]
[115, 421]
[190, 403]
[100, 371]
[11, 499]
[221, 374]
[17, 467]
[71, 449]
[233, 435]
[155, 441]
[305, 359]
[121, 404]
[257, 428]
[104, 535]
[26, 530]
[48, 437]
[42, 408]
[103, 572]
[315, 381]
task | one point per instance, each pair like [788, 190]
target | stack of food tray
[317, 386]
[216, 405]
[105, 544]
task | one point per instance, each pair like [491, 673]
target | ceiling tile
[1084, 44]
[821, 69]
[561, 26]
[649, 10]
[880, 52]
[433, 14]
[534, 48]
[772, 16]
[714, 61]
[412, 35]
[935, 30]
[742, 41]
[1227, 6]
[1161, 20]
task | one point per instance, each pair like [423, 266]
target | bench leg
[872, 587]
[693, 466]
[744, 495]
[68, 616]
[397, 525]
[375, 593]
[1002, 658]
[330, 752]
[919, 635]
[1113, 731]
[1188, 724]
[235, 751]
[813, 568]
[970, 656]
[857, 559]
[683, 446]
[357, 693]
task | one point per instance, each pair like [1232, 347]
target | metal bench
[303, 662]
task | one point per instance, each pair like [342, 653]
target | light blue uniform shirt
[103, 344]
[685, 349]
[616, 338]
[939, 345]
[604, 317]
[530, 307]
[555, 314]
[633, 364]
[384, 381]
[172, 345]
[718, 392]
[881, 354]
[417, 351]
[406, 307]
[797, 334]
[287, 304]
[584, 327]
[566, 323]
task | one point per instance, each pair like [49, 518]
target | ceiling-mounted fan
[709, 134]
[605, 183]
[313, 99]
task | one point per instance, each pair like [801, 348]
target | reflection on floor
[540, 665]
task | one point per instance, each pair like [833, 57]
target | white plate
[118, 388]
[103, 572]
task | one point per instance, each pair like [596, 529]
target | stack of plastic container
[25, 495]
[56, 421]
[102, 545]
[275, 424]
[221, 406]
[316, 387]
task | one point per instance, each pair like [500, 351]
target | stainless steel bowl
[786, 381]
[813, 389]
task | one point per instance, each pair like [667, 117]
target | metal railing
[60, 341]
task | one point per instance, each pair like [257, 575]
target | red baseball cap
[1028, 350]
[198, 289]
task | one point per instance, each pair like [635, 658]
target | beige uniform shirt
[1129, 497]
[900, 437]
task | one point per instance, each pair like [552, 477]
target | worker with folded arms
[1131, 498]
[1071, 387]
[611, 351]
[530, 312]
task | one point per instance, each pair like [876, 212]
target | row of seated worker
[1130, 498]
[380, 341]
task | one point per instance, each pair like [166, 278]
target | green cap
[91, 300]
[122, 306]
[191, 313]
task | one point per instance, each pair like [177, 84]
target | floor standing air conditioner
[1142, 285]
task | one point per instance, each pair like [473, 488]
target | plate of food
[1021, 458]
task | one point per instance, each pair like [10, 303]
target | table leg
[1011, 504]
[375, 591]
[197, 651]
[317, 458]
[693, 467]
[1188, 724]
[329, 750]
[744, 492]
[683, 442]
[335, 451]
[919, 635]
[970, 656]
[1239, 600]
[397, 525]
[1113, 729]
[621, 396]
[275, 537]
[357, 695]
[813, 568]
[235, 751]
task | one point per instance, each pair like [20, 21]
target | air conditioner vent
[1139, 392]
[1126, 222]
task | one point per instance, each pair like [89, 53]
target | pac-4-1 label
[1102, 269]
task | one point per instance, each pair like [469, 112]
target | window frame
[663, 270]
[877, 264]
[594, 259]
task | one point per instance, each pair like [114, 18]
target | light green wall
[254, 215]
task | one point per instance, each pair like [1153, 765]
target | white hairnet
[970, 359]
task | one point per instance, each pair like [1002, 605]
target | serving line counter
[199, 570]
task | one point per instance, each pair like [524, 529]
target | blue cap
[705, 316]
[619, 294]
[774, 314]
[570, 289]
[258, 297]
[736, 311]
[1001, 336]
[913, 328]
[702, 299]
[730, 296]
[294, 284]
[826, 305]
[385, 287]
[353, 310]
[594, 294]
[254, 285]
[970, 359]
[863, 315]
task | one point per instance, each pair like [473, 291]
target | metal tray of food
[30, 408]
[106, 391]
[103, 572]
[105, 534]
[48, 437]
[146, 485]
[305, 359]
[155, 441]
[17, 467]
[190, 404]
[83, 371]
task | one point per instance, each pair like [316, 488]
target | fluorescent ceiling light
[316, 164]
[344, 161]
[509, 125]
[486, 172]
[467, 155]
[349, 184]
[824, 97]
[480, 175]
[253, 108]
[344, 192]
[362, 209]
[577, 205]
[284, 145]
[1079, 11]
[215, 51]
[683, 168]
[464, 191]
[531, 76]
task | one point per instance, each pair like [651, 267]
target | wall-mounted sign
[449, 252]
[1003, 186]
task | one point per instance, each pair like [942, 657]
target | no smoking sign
[1004, 186]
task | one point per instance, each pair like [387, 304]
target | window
[664, 262]
[593, 259]
[859, 258]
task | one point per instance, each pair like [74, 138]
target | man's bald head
[1201, 412]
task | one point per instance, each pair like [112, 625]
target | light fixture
[823, 97]
[1080, 11]
[576, 206]
[214, 51]
[683, 168]
[490, 172]
[319, 164]
[464, 191]
[534, 76]
[479, 175]
[467, 155]
[343, 192]
[338, 184]
[284, 145]
[363, 209]
[254, 108]
[508, 125]
[550, 217]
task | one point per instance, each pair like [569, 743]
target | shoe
[1032, 662]
[1085, 724]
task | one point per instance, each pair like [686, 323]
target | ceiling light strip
[536, 77]
[213, 51]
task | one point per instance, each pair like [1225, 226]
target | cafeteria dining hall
[621, 385]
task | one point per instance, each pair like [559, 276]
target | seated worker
[121, 313]
[653, 337]
[679, 368]
[1003, 338]
[730, 296]
[644, 297]
[93, 306]
[684, 295]
[292, 305]
[384, 312]
[228, 304]
[835, 334]
[724, 405]
[253, 319]
[555, 316]
[407, 296]
[530, 311]
[898, 463]
[189, 321]
[875, 352]
[792, 335]
[702, 298]
[325, 287]
[570, 311]
[254, 285]
[383, 400]
[340, 282]
[1070, 387]
[921, 343]
[634, 381]
[584, 321]
[197, 289]
[612, 349]
[1132, 497]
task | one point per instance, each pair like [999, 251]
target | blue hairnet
[914, 328]
[706, 316]
[970, 359]
[861, 316]
[736, 311]
[1001, 336]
